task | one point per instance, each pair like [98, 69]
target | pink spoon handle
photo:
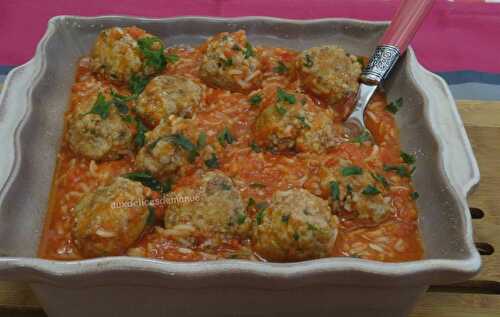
[405, 23]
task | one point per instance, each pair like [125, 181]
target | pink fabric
[458, 35]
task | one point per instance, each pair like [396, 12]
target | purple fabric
[458, 35]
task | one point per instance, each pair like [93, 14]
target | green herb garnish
[151, 216]
[363, 137]
[101, 107]
[140, 137]
[255, 100]
[414, 195]
[212, 162]
[280, 110]
[146, 179]
[394, 106]
[251, 202]
[260, 216]
[309, 61]
[202, 141]
[255, 147]
[285, 218]
[241, 219]
[286, 97]
[334, 190]
[352, 170]
[152, 49]
[370, 190]
[136, 84]
[303, 121]
[401, 170]
[225, 137]
[408, 158]
[172, 58]
[280, 68]
[296, 236]
[248, 51]
[381, 179]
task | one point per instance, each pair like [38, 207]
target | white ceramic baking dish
[32, 104]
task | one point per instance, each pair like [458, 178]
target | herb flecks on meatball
[109, 220]
[296, 226]
[230, 62]
[330, 73]
[169, 95]
[121, 53]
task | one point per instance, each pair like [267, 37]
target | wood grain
[472, 298]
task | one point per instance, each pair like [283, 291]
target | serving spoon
[405, 23]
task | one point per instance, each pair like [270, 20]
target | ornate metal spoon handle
[381, 62]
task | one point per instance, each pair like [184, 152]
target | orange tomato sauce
[257, 175]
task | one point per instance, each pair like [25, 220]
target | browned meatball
[230, 62]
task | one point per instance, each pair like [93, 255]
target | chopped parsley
[394, 106]
[255, 100]
[280, 110]
[361, 60]
[334, 190]
[151, 216]
[212, 162]
[120, 102]
[370, 190]
[363, 137]
[172, 58]
[248, 51]
[312, 227]
[255, 147]
[308, 61]
[280, 68]
[286, 97]
[152, 49]
[381, 179]
[226, 62]
[401, 170]
[202, 141]
[260, 216]
[285, 218]
[414, 195]
[251, 202]
[183, 142]
[101, 107]
[351, 170]
[236, 47]
[408, 158]
[146, 179]
[136, 84]
[303, 121]
[225, 137]
[140, 137]
[296, 236]
[241, 219]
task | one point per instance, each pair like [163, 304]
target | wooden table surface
[479, 297]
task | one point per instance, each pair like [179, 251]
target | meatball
[330, 73]
[118, 53]
[229, 62]
[290, 121]
[104, 136]
[296, 226]
[168, 95]
[110, 219]
[355, 192]
[169, 146]
[211, 205]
